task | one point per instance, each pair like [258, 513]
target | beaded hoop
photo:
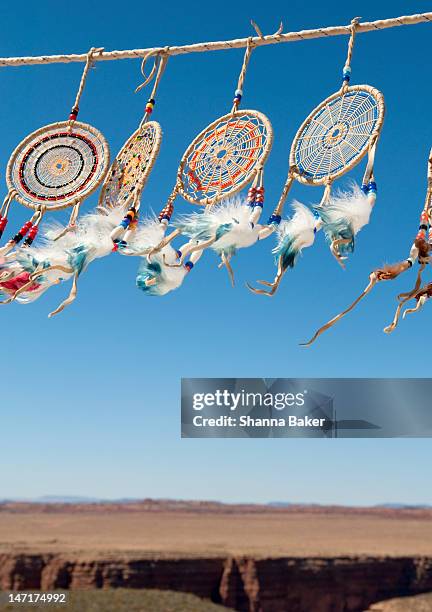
[132, 166]
[58, 166]
[224, 157]
[337, 134]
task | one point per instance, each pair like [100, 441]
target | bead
[364, 188]
[179, 254]
[238, 92]
[188, 265]
[74, 113]
[276, 219]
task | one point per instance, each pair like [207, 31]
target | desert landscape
[245, 557]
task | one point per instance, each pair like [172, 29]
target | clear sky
[90, 400]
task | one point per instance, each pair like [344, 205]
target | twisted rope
[242, 75]
[89, 62]
[278, 37]
[161, 59]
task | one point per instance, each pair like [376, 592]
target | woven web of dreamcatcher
[132, 166]
[223, 157]
[337, 134]
[57, 166]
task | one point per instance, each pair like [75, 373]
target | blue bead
[276, 219]
[125, 223]
[260, 204]
[365, 189]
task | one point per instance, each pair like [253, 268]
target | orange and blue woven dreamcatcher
[227, 155]
[55, 167]
[333, 139]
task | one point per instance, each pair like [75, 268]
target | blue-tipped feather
[227, 223]
[294, 235]
[344, 216]
[163, 278]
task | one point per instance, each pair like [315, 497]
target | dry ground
[185, 533]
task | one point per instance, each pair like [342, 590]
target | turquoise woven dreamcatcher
[334, 138]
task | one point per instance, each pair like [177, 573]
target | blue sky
[90, 399]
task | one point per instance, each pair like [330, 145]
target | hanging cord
[89, 63]
[346, 73]
[239, 91]
[29, 229]
[4, 210]
[420, 250]
[161, 60]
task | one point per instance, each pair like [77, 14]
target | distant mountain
[66, 499]
[395, 506]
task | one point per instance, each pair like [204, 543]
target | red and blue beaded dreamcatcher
[55, 167]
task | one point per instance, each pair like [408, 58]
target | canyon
[248, 558]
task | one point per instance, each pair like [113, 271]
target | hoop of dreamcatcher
[55, 167]
[223, 158]
[420, 252]
[335, 137]
[129, 173]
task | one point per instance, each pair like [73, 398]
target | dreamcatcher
[131, 168]
[71, 253]
[420, 251]
[331, 141]
[226, 156]
[55, 167]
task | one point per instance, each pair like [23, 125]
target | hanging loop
[239, 91]
[346, 73]
[89, 62]
[161, 58]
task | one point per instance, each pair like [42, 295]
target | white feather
[90, 236]
[230, 218]
[352, 207]
[148, 234]
[299, 229]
